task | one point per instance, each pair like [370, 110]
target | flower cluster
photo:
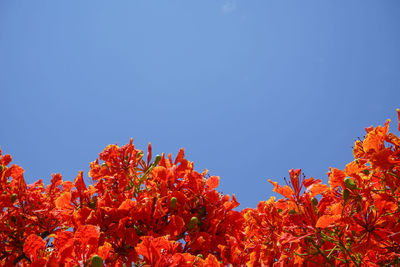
[141, 211]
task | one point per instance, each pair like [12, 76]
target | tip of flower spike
[131, 141]
[149, 153]
[398, 116]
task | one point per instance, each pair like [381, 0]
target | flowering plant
[141, 211]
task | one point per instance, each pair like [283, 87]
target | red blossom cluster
[141, 211]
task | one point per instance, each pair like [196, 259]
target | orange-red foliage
[140, 212]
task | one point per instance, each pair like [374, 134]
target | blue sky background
[250, 89]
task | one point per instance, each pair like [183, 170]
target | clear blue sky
[250, 89]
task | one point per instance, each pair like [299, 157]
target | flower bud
[314, 201]
[13, 198]
[192, 223]
[157, 159]
[172, 203]
[349, 183]
[96, 261]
